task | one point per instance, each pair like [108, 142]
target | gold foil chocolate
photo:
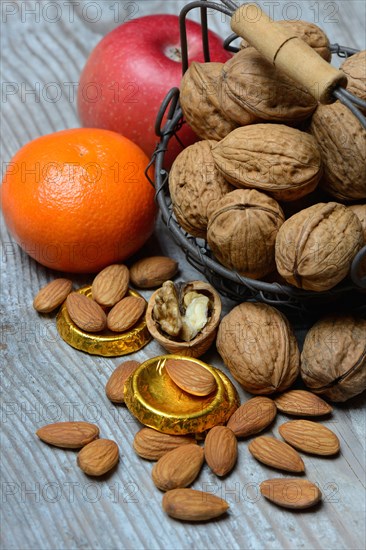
[105, 343]
[156, 401]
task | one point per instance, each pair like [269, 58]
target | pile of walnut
[266, 184]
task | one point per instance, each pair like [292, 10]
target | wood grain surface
[47, 502]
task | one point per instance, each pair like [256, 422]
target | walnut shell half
[259, 348]
[199, 344]
[333, 360]
[316, 246]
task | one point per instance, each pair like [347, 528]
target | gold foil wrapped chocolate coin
[157, 402]
[106, 342]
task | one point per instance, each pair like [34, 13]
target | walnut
[315, 247]
[341, 139]
[256, 85]
[199, 100]
[333, 360]
[259, 348]
[282, 161]
[355, 69]
[195, 186]
[313, 35]
[195, 309]
[242, 232]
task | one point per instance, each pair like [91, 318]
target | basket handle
[287, 52]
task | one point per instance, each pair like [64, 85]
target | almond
[52, 295]
[310, 437]
[221, 450]
[153, 272]
[190, 376]
[69, 435]
[252, 417]
[192, 505]
[86, 314]
[110, 285]
[115, 387]
[98, 457]
[291, 493]
[178, 468]
[152, 445]
[125, 313]
[302, 403]
[276, 453]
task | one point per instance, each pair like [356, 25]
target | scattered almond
[69, 435]
[276, 453]
[190, 376]
[98, 457]
[125, 313]
[153, 272]
[291, 493]
[253, 416]
[310, 437]
[152, 445]
[302, 403]
[115, 387]
[221, 450]
[52, 295]
[192, 505]
[178, 468]
[85, 312]
[110, 285]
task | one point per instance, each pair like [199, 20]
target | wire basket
[350, 293]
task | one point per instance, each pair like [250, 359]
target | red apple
[130, 72]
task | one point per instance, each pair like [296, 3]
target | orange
[78, 200]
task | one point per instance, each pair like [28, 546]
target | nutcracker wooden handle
[287, 52]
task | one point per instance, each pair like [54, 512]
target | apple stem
[174, 53]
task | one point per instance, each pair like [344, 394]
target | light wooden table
[47, 502]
